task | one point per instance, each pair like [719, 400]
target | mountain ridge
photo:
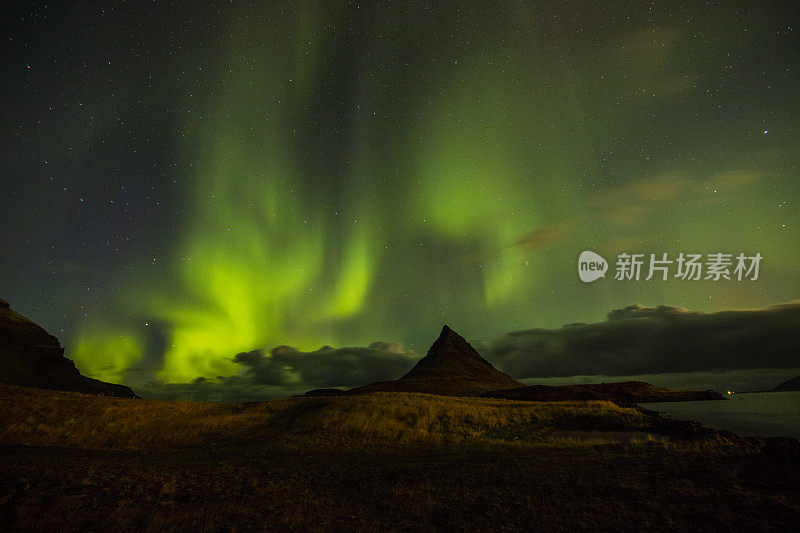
[32, 357]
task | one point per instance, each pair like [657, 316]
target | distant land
[453, 367]
[623, 393]
[788, 385]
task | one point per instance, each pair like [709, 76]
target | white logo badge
[591, 266]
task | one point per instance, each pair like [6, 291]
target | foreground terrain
[377, 461]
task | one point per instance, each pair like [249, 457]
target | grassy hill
[386, 461]
[47, 418]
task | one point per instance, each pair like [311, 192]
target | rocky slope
[31, 357]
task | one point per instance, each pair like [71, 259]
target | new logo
[591, 266]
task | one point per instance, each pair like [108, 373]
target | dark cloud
[286, 371]
[671, 346]
[655, 340]
[637, 311]
[261, 368]
[328, 366]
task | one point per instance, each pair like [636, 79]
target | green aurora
[342, 173]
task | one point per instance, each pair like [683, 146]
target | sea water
[762, 414]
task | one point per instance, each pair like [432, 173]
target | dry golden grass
[383, 461]
[48, 418]
[408, 418]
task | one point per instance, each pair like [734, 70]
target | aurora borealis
[180, 185]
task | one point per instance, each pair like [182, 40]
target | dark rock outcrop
[452, 367]
[31, 357]
[788, 385]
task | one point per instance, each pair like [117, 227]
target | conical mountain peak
[452, 345]
[452, 367]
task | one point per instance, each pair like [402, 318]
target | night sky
[181, 184]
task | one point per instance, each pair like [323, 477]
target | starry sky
[180, 184]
